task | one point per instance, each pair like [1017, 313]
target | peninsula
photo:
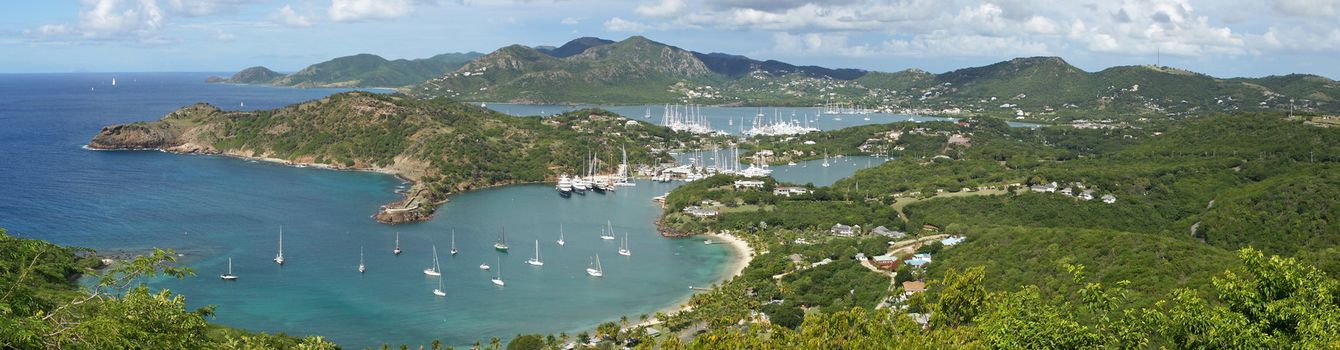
[439, 145]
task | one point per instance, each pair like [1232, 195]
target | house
[919, 260]
[740, 184]
[1086, 195]
[886, 261]
[844, 230]
[913, 287]
[952, 240]
[1067, 191]
[1109, 199]
[1051, 187]
[700, 211]
[790, 191]
[884, 231]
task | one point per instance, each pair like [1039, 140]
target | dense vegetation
[42, 306]
[367, 70]
[444, 146]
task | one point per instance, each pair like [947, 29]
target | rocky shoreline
[143, 137]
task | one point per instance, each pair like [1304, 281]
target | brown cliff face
[136, 136]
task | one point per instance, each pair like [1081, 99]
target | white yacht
[440, 291]
[453, 243]
[623, 248]
[536, 260]
[607, 234]
[435, 269]
[229, 276]
[361, 267]
[560, 235]
[497, 277]
[595, 270]
[279, 258]
[397, 244]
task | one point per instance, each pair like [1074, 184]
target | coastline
[744, 255]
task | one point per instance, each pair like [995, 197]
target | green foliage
[526, 342]
[367, 70]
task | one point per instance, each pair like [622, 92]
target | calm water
[213, 208]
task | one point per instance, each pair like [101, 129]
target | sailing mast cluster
[593, 180]
[777, 125]
[686, 118]
[435, 270]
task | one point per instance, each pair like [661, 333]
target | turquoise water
[210, 208]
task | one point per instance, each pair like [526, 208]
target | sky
[1225, 38]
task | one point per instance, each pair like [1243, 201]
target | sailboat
[361, 268]
[440, 291]
[501, 244]
[497, 277]
[434, 270]
[279, 258]
[623, 248]
[229, 276]
[595, 271]
[607, 235]
[536, 260]
[397, 244]
[826, 159]
[453, 242]
[560, 235]
[113, 81]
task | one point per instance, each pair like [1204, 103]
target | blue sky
[1223, 38]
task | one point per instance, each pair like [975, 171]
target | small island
[439, 145]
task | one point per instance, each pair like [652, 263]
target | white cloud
[570, 21]
[1308, 8]
[108, 18]
[362, 10]
[224, 36]
[195, 8]
[933, 45]
[824, 44]
[660, 8]
[617, 24]
[287, 16]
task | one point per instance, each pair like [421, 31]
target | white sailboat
[397, 244]
[501, 244]
[229, 276]
[607, 235]
[113, 81]
[434, 270]
[361, 267]
[497, 277]
[279, 258]
[623, 248]
[536, 260]
[453, 243]
[560, 235]
[440, 291]
[826, 159]
[595, 270]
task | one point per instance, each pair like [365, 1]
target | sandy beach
[744, 254]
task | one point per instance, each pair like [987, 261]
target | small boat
[623, 248]
[229, 276]
[607, 235]
[826, 160]
[560, 235]
[361, 268]
[564, 185]
[497, 277]
[440, 291]
[433, 270]
[397, 244]
[501, 244]
[595, 270]
[279, 258]
[453, 243]
[707, 241]
[535, 261]
[484, 266]
[113, 81]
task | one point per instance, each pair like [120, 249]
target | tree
[526, 342]
[957, 298]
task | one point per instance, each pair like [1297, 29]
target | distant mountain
[367, 70]
[573, 47]
[639, 70]
[253, 75]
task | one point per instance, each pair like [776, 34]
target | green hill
[443, 146]
[367, 70]
[253, 75]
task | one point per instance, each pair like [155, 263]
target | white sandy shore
[744, 254]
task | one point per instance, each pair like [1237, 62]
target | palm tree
[623, 320]
[437, 344]
[495, 343]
